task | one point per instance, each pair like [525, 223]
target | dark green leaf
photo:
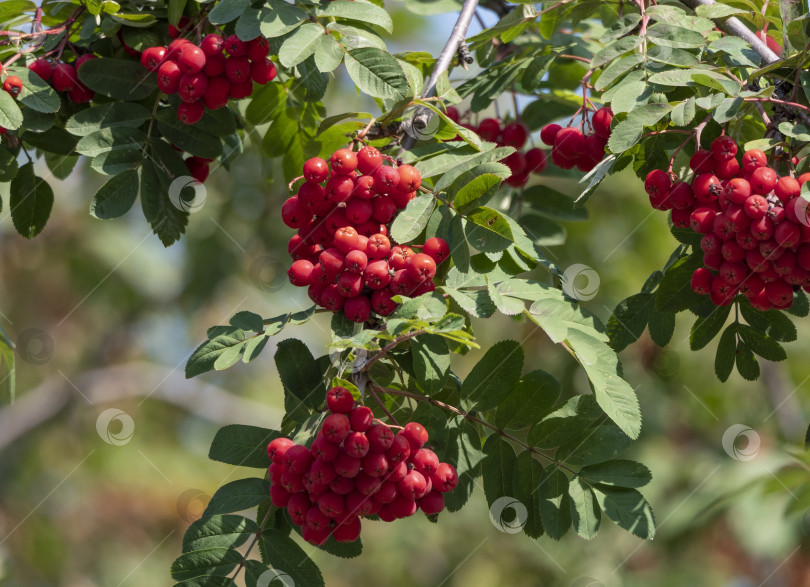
[238, 495]
[706, 328]
[122, 79]
[287, 558]
[761, 344]
[431, 361]
[585, 514]
[226, 531]
[31, 201]
[527, 476]
[554, 502]
[299, 373]
[376, 73]
[529, 401]
[498, 470]
[726, 352]
[116, 197]
[210, 561]
[628, 321]
[494, 376]
[242, 445]
[628, 509]
[621, 473]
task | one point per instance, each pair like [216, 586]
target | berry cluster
[342, 251]
[515, 134]
[755, 226]
[208, 75]
[63, 77]
[569, 147]
[356, 467]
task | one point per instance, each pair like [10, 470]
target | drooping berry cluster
[63, 77]
[342, 251]
[356, 467]
[515, 134]
[755, 225]
[208, 75]
[570, 148]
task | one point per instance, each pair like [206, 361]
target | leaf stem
[252, 544]
[389, 346]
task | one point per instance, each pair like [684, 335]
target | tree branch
[457, 36]
[733, 26]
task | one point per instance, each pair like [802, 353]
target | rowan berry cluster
[755, 225]
[63, 77]
[356, 467]
[515, 134]
[208, 75]
[343, 251]
[570, 147]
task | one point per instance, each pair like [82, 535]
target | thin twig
[389, 346]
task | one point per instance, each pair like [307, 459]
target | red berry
[322, 472]
[383, 209]
[536, 160]
[324, 450]
[445, 478]
[277, 448]
[348, 531]
[349, 285]
[763, 180]
[339, 400]
[727, 169]
[380, 438]
[316, 170]
[432, 503]
[570, 143]
[215, 65]
[361, 418]
[706, 187]
[339, 189]
[657, 182]
[702, 161]
[42, 67]
[241, 90]
[263, 71]
[399, 451]
[356, 261]
[81, 94]
[153, 57]
[198, 168]
[402, 284]
[346, 239]
[779, 293]
[212, 45]
[169, 75]
[548, 134]
[237, 70]
[724, 148]
[756, 206]
[409, 178]
[375, 464]
[300, 273]
[331, 299]
[754, 159]
[413, 485]
[297, 459]
[218, 92]
[369, 159]
[425, 461]
[191, 59]
[192, 87]
[681, 196]
[234, 46]
[382, 303]
[358, 309]
[514, 135]
[787, 188]
[421, 267]
[190, 112]
[64, 77]
[402, 508]
[257, 49]
[489, 129]
[437, 249]
[601, 121]
[347, 466]
[336, 428]
[344, 161]
[415, 434]
[331, 504]
[356, 445]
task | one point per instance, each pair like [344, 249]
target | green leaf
[176, 8]
[264, 104]
[684, 112]
[707, 327]
[111, 139]
[363, 12]
[667, 35]
[31, 201]
[661, 326]
[620, 473]
[726, 352]
[238, 495]
[476, 303]
[465, 452]
[617, 69]
[36, 93]
[554, 502]
[110, 115]
[411, 221]
[585, 514]
[287, 557]
[376, 73]
[493, 377]
[300, 44]
[299, 373]
[717, 11]
[8, 166]
[614, 50]
[532, 398]
[760, 343]
[116, 197]
[675, 291]
[209, 561]
[773, 323]
[279, 18]
[166, 220]
[498, 470]
[226, 11]
[11, 117]
[226, 531]
[242, 445]
[527, 475]
[329, 54]
[629, 320]
[191, 138]
[628, 509]
[122, 79]
[747, 365]
[488, 230]
[431, 362]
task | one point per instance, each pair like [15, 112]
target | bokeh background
[103, 456]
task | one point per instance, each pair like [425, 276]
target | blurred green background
[103, 456]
